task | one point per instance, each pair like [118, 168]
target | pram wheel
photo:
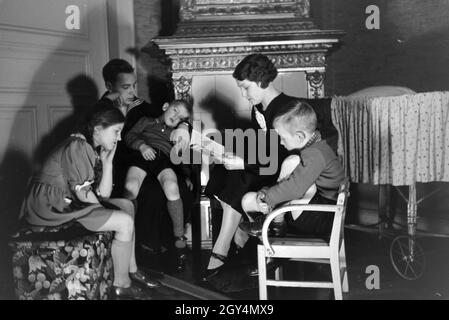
[407, 257]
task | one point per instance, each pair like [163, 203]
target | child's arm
[86, 196]
[105, 186]
[134, 141]
[180, 136]
[133, 138]
[297, 184]
[288, 166]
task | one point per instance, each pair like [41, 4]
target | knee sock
[176, 212]
[121, 254]
[132, 259]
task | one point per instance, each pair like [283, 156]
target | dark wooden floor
[363, 250]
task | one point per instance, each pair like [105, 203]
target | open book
[207, 146]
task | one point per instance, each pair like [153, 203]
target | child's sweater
[319, 165]
[152, 132]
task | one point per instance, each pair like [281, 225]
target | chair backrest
[337, 233]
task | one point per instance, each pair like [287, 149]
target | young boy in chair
[151, 137]
[311, 163]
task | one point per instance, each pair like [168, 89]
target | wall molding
[16, 110]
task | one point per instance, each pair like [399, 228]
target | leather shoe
[129, 293]
[181, 253]
[210, 273]
[141, 278]
[253, 228]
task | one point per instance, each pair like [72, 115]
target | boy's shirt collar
[137, 102]
[316, 137]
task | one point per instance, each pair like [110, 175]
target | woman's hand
[261, 205]
[233, 162]
[147, 152]
[181, 138]
[107, 156]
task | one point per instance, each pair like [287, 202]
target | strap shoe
[210, 273]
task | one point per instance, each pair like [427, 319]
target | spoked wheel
[407, 257]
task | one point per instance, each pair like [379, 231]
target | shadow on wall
[223, 113]
[18, 163]
[154, 67]
[15, 171]
[83, 94]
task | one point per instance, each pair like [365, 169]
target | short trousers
[154, 167]
[312, 223]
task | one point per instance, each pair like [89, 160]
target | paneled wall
[48, 73]
[38, 58]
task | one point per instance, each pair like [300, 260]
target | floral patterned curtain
[395, 140]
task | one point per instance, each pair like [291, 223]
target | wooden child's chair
[309, 250]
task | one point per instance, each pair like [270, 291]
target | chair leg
[261, 262]
[345, 286]
[336, 278]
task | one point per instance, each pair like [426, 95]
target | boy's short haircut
[114, 67]
[186, 103]
[256, 68]
[296, 115]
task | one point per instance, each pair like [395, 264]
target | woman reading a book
[254, 76]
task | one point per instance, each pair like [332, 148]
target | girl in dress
[75, 184]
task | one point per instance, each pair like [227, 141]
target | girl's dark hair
[256, 68]
[100, 116]
[113, 68]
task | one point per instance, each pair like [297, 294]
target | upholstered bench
[65, 263]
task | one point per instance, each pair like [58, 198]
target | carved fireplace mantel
[214, 35]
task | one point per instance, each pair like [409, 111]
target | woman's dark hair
[256, 68]
[100, 116]
[113, 68]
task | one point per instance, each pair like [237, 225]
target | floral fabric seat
[62, 263]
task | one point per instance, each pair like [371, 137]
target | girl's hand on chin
[106, 155]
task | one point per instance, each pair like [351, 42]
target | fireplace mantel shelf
[205, 44]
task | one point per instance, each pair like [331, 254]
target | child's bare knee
[171, 188]
[132, 188]
[249, 201]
